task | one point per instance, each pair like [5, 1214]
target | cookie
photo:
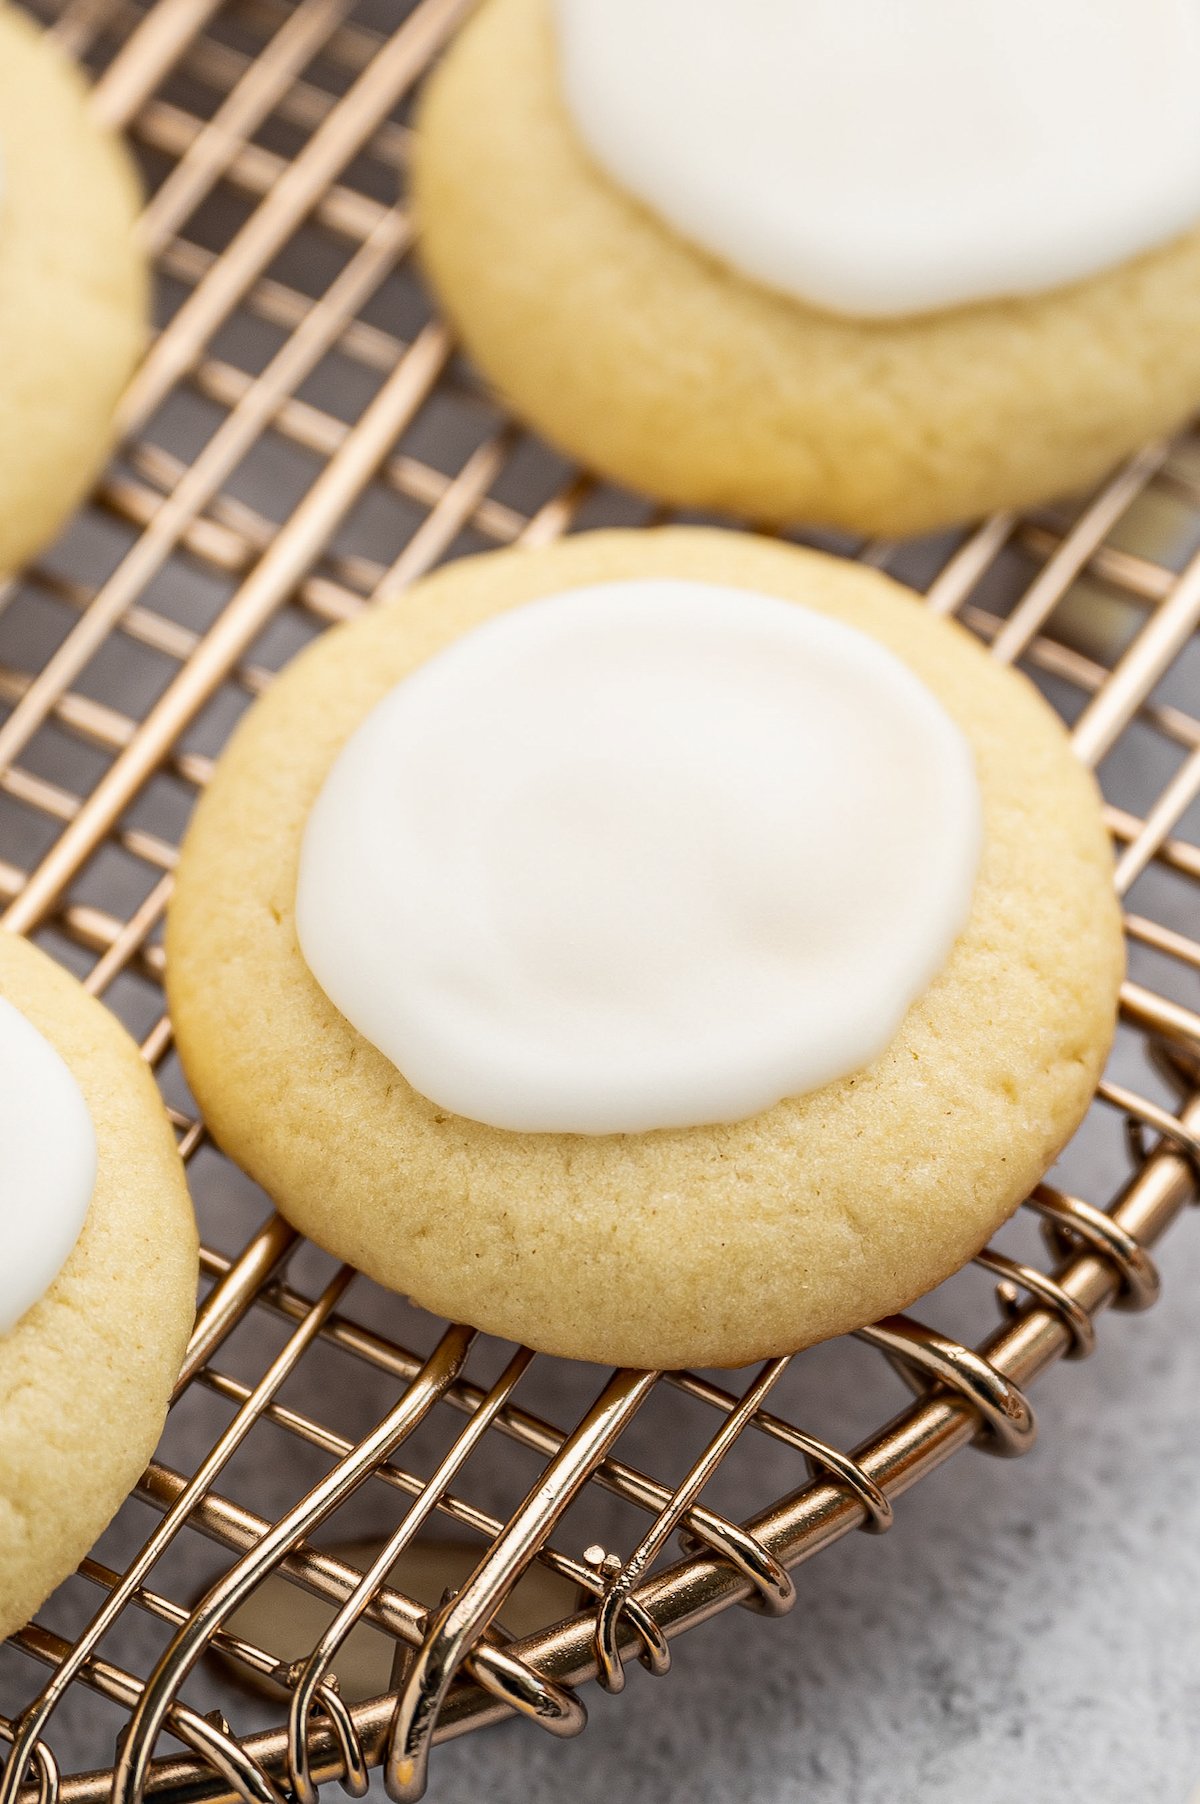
[664, 368]
[706, 1245]
[86, 1370]
[73, 287]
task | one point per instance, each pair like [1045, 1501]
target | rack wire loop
[1068, 1220]
[529, 1694]
[1047, 1292]
[441, 1368]
[655, 1650]
[929, 1361]
[465, 1616]
[772, 1583]
[42, 1758]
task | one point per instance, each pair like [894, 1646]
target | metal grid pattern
[298, 444]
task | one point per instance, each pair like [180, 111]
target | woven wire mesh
[300, 442]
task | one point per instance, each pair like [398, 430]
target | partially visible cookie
[713, 1244]
[664, 368]
[87, 1370]
[73, 287]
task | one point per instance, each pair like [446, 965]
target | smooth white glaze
[641, 855]
[47, 1164]
[887, 157]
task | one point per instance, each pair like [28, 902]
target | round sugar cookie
[73, 287]
[86, 1372]
[663, 368]
[710, 1245]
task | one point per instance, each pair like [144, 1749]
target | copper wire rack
[298, 444]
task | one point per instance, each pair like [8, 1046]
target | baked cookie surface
[661, 367]
[73, 287]
[710, 1245]
[86, 1373]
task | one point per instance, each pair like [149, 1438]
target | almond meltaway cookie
[662, 948]
[98, 1279]
[878, 268]
[73, 287]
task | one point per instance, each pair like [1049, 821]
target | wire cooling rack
[299, 443]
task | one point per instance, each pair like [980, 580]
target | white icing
[642, 855]
[47, 1164]
[885, 157]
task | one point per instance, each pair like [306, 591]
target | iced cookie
[73, 288]
[870, 266]
[98, 1277]
[663, 948]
